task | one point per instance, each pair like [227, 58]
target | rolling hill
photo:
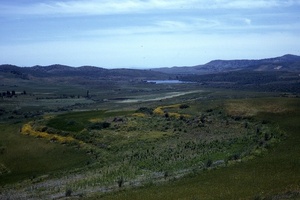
[270, 74]
[284, 63]
[85, 72]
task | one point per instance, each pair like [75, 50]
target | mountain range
[284, 63]
[290, 63]
[83, 72]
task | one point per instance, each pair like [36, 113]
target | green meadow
[24, 157]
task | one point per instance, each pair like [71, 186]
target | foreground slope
[273, 175]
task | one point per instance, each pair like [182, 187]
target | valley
[93, 133]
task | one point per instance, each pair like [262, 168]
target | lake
[166, 81]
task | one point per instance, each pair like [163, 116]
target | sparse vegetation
[272, 175]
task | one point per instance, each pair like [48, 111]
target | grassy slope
[276, 172]
[28, 157]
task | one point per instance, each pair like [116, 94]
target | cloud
[180, 26]
[221, 25]
[98, 7]
[247, 21]
[252, 4]
[108, 7]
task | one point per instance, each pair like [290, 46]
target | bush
[68, 192]
[145, 110]
[2, 150]
[235, 156]
[71, 122]
[209, 163]
[120, 181]
[184, 106]
[267, 137]
[167, 115]
[99, 125]
[166, 174]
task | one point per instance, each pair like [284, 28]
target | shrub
[235, 156]
[2, 150]
[184, 106]
[120, 181]
[68, 192]
[71, 122]
[99, 125]
[146, 110]
[209, 163]
[166, 174]
[267, 137]
[167, 115]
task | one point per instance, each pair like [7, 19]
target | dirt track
[158, 97]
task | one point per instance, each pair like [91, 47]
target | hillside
[290, 63]
[284, 63]
[63, 72]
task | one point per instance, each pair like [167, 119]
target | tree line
[11, 93]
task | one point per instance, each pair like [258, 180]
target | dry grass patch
[251, 107]
[95, 120]
[139, 115]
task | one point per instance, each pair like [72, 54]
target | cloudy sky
[146, 33]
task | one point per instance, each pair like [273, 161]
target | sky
[146, 33]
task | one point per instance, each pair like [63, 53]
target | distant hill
[85, 72]
[217, 72]
[284, 63]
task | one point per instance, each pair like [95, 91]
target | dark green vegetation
[25, 158]
[250, 80]
[112, 135]
[168, 140]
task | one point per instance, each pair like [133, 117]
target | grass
[28, 157]
[144, 145]
[249, 108]
[77, 121]
[272, 174]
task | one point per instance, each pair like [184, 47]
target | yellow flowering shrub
[176, 115]
[28, 130]
[138, 115]
[158, 110]
[95, 120]
[173, 106]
